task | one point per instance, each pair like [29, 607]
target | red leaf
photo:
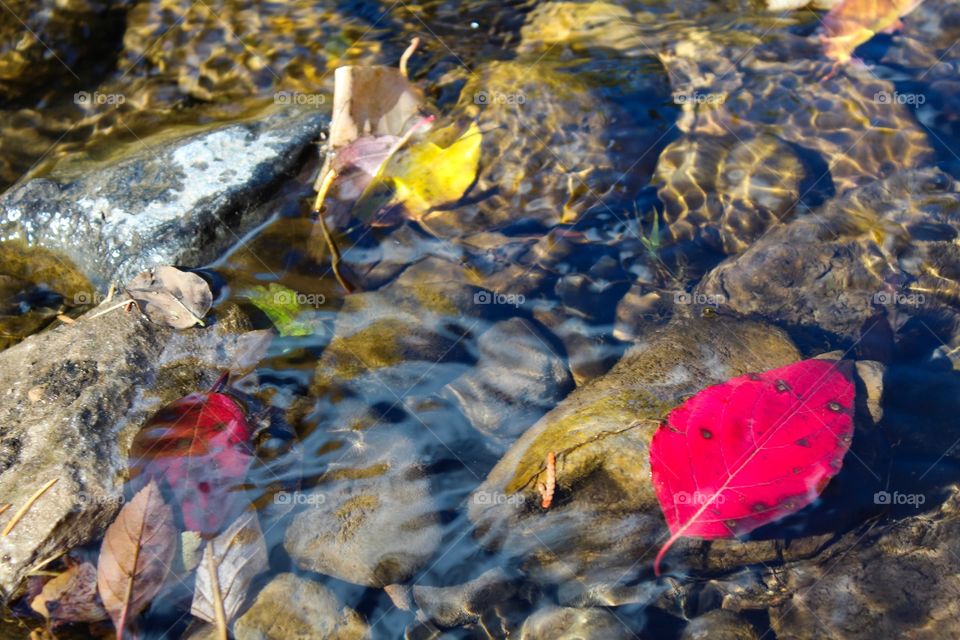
[752, 450]
[200, 446]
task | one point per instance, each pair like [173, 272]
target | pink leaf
[752, 450]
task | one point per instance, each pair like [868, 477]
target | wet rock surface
[893, 579]
[179, 202]
[295, 608]
[72, 402]
[605, 522]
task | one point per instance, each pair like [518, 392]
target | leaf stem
[322, 190]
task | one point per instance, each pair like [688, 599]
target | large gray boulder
[180, 201]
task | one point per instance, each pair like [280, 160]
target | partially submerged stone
[178, 202]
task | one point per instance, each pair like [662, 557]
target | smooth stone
[370, 519]
[180, 202]
[518, 377]
[421, 319]
[463, 604]
[294, 608]
[719, 624]
[566, 623]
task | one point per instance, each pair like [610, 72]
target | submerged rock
[898, 580]
[294, 608]
[566, 623]
[552, 146]
[605, 521]
[178, 202]
[725, 192]
[463, 604]
[370, 518]
[41, 41]
[415, 322]
[35, 286]
[73, 399]
[517, 378]
[888, 247]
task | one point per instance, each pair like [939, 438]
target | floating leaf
[239, 555]
[199, 446]
[427, 175]
[280, 304]
[135, 556]
[71, 596]
[172, 297]
[853, 22]
[752, 450]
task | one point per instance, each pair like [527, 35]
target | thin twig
[26, 507]
[119, 305]
[4, 508]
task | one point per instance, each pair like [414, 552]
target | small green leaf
[282, 306]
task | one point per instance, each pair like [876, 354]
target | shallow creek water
[629, 149]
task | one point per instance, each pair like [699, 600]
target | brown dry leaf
[71, 596]
[853, 22]
[135, 557]
[172, 297]
[239, 556]
[371, 101]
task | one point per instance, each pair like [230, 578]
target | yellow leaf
[427, 175]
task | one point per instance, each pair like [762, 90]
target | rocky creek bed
[666, 197]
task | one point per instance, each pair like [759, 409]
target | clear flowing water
[629, 148]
